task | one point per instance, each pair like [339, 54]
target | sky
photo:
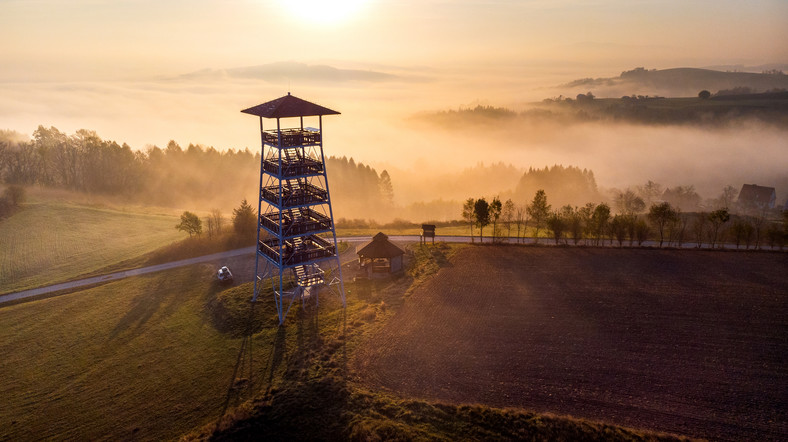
[113, 39]
[147, 71]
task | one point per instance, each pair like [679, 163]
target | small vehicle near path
[225, 276]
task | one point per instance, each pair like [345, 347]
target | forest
[195, 176]
[707, 109]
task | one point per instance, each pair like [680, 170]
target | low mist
[385, 124]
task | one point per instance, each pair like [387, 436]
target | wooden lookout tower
[294, 205]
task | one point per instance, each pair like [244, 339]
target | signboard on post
[427, 231]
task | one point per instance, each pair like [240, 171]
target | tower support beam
[294, 207]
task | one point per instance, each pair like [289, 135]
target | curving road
[224, 255]
[157, 268]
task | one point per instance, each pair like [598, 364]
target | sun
[322, 11]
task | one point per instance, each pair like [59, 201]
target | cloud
[283, 72]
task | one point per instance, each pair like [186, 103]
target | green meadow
[53, 240]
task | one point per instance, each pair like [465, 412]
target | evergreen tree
[386, 188]
[244, 219]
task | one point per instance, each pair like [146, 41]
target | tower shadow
[242, 380]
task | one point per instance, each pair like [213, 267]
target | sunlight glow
[323, 11]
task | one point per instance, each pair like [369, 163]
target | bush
[13, 197]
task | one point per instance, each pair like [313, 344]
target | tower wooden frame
[294, 212]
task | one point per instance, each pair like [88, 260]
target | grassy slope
[50, 241]
[154, 357]
[131, 357]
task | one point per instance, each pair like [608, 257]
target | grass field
[689, 342]
[147, 357]
[51, 240]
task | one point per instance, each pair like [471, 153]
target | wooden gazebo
[380, 256]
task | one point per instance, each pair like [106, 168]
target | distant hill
[676, 82]
[730, 106]
[279, 72]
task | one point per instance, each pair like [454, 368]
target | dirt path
[689, 342]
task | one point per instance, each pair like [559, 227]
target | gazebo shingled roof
[380, 247]
[288, 106]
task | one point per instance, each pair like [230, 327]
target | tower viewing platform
[294, 206]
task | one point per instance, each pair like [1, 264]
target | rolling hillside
[52, 240]
[675, 82]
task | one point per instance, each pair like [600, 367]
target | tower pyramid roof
[288, 106]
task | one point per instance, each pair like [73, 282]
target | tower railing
[297, 250]
[295, 222]
[294, 195]
[293, 167]
[292, 137]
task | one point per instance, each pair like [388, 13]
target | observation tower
[294, 210]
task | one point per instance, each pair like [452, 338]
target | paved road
[157, 268]
[124, 274]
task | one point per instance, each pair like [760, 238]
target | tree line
[243, 222]
[636, 217]
[171, 176]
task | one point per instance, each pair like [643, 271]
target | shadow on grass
[296, 404]
[162, 303]
[242, 380]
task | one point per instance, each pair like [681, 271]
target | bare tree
[556, 224]
[741, 231]
[468, 213]
[728, 197]
[520, 220]
[209, 226]
[628, 203]
[495, 214]
[717, 219]
[642, 231]
[507, 216]
[631, 221]
[586, 214]
[758, 222]
[677, 230]
[699, 227]
[618, 228]
[217, 219]
[662, 215]
[599, 221]
[574, 223]
[650, 192]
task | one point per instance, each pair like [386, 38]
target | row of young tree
[243, 221]
[596, 224]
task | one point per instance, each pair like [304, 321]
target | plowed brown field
[688, 342]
